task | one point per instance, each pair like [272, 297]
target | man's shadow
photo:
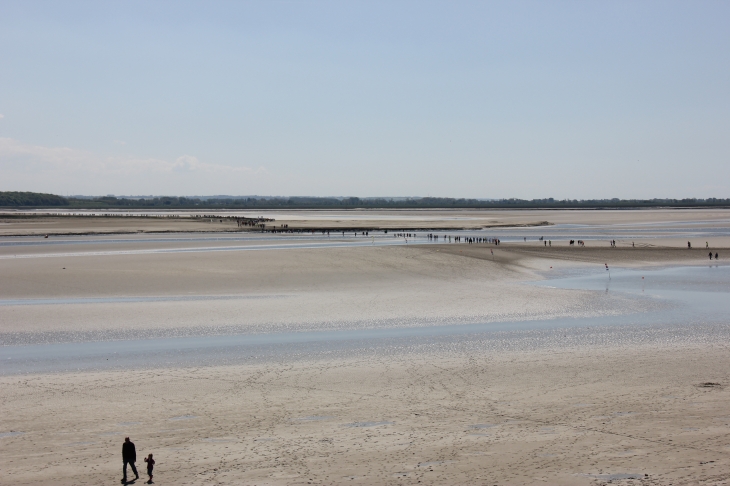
[132, 481]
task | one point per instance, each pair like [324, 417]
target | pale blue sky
[462, 99]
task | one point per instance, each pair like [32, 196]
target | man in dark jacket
[129, 455]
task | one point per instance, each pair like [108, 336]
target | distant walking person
[710, 255]
[129, 455]
[716, 256]
[150, 465]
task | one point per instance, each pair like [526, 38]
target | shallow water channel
[695, 307]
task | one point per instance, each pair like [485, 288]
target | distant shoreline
[32, 200]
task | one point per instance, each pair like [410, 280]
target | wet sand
[297, 289]
[125, 222]
[69, 225]
[558, 407]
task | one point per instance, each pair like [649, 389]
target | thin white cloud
[88, 172]
[2, 116]
[192, 164]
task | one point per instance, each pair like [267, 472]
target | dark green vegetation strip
[31, 199]
[34, 199]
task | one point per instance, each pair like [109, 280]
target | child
[150, 465]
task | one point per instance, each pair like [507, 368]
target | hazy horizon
[392, 198]
[461, 99]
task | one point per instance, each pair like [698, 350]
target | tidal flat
[314, 359]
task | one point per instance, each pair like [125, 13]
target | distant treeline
[31, 199]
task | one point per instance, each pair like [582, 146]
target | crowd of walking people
[468, 239]
[432, 237]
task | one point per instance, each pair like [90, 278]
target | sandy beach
[572, 384]
[574, 416]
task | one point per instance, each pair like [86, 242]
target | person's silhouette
[129, 456]
[150, 467]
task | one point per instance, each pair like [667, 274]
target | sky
[483, 99]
